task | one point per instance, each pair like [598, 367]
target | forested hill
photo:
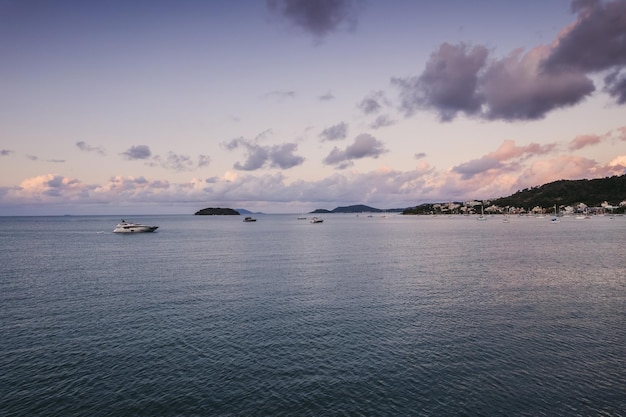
[569, 192]
[216, 211]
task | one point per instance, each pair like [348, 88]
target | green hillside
[592, 193]
[568, 193]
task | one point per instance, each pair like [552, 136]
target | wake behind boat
[130, 227]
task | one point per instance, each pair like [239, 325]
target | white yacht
[316, 220]
[130, 227]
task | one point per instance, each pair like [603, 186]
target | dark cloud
[364, 146]
[477, 166]
[615, 86]
[283, 157]
[83, 146]
[137, 152]
[276, 156]
[525, 85]
[420, 155]
[597, 41]
[5, 152]
[56, 161]
[257, 157]
[318, 17]
[32, 157]
[448, 84]
[517, 88]
[335, 132]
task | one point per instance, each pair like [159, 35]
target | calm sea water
[357, 316]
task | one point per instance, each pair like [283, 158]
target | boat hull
[126, 227]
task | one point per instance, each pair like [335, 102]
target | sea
[361, 315]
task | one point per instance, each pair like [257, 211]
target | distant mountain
[244, 211]
[216, 211]
[358, 208]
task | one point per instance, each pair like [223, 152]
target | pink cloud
[565, 167]
[508, 150]
[583, 141]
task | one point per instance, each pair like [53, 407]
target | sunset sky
[284, 106]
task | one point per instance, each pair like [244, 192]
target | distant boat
[482, 215]
[316, 220]
[130, 227]
[249, 219]
[555, 219]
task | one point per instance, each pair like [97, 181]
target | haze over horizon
[287, 106]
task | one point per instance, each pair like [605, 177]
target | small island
[216, 211]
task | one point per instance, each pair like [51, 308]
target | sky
[286, 106]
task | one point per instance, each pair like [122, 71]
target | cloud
[203, 161]
[5, 152]
[567, 167]
[474, 167]
[618, 162]
[280, 95]
[137, 152]
[319, 17]
[32, 157]
[364, 146]
[172, 161]
[178, 162]
[335, 132]
[508, 150]
[382, 121]
[283, 156]
[277, 156]
[83, 146]
[373, 103]
[524, 85]
[384, 187]
[583, 141]
[507, 157]
[420, 155]
[327, 97]
[448, 83]
[615, 86]
[596, 41]
[519, 87]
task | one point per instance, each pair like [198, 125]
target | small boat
[249, 219]
[555, 219]
[316, 220]
[482, 217]
[130, 227]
